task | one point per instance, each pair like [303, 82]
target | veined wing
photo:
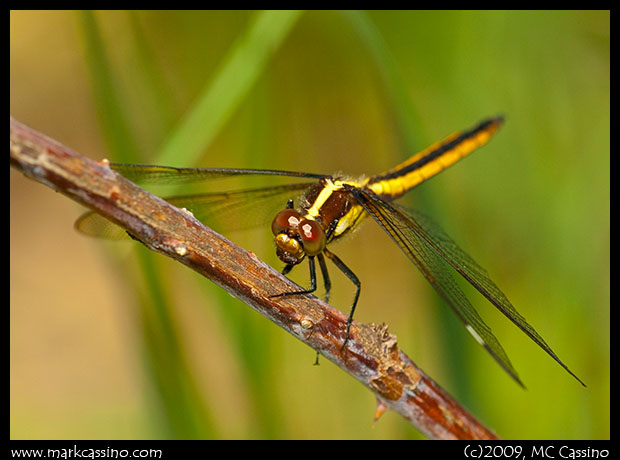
[436, 271]
[225, 210]
[477, 277]
[152, 174]
[416, 234]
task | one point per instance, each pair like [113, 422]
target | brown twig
[371, 355]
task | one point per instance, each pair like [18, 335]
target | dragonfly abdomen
[431, 161]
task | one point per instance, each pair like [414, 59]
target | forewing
[224, 210]
[153, 174]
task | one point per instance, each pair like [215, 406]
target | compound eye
[312, 236]
[285, 220]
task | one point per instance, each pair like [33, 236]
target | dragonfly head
[296, 236]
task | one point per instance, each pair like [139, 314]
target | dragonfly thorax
[296, 236]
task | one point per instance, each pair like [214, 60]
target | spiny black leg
[312, 280]
[328, 287]
[326, 280]
[347, 271]
[289, 267]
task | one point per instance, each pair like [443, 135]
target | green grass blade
[185, 415]
[108, 99]
[413, 136]
[409, 121]
[239, 70]
[177, 396]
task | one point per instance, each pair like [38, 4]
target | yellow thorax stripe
[330, 187]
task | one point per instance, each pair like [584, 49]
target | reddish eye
[312, 235]
[285, 220]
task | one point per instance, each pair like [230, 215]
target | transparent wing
[437, 271]
[224, 210]
[477, 277]
[153, 174]
[433, 251]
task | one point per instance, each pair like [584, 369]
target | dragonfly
[325, 208]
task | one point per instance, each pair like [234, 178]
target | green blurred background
[108, 341]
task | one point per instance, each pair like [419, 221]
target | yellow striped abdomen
[433, 160]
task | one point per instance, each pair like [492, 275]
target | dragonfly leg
[347, 271]
[326, 280]
[288, 268]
